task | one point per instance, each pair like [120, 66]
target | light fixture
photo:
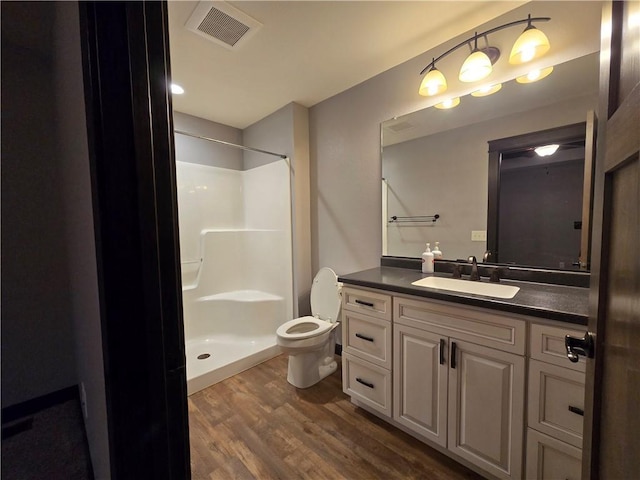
[546, 150]
[487, 90]
[433, 83]
[176, 89]
[532, 43]
[449, 103]
[535, 75]
[479, 63]
[476, 67]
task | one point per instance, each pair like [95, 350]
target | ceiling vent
[223, 24]
[400, 126]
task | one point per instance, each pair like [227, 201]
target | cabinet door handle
[366, 304]
[364, 337]
[576, 410]
[442, 360]
[579, 346]
[454, 349]
[366, 384]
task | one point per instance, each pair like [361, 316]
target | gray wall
[287, 131]
[70, 123]
[51, 333]
[195, 150]
[37, 326]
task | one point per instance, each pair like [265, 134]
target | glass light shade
[176, 89]
[433, 83]
[535, 75]
[476, 67]
[546, 150]
[486, 91]
[450, 103]
[532, 43]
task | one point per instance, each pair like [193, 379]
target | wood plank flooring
[256, 425]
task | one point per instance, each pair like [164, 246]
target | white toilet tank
[326, 298]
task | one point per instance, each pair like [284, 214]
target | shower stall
[236, 257]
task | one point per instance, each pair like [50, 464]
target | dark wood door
[612, 421]
[130, 128]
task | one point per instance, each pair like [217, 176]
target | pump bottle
[427, 260]
[436, 251]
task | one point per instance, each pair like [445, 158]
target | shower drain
[203, 356]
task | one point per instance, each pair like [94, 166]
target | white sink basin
[466, 286]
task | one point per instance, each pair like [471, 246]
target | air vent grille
[221, 23]
[400, 126]
[223, 27]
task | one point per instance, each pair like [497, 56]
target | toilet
[310, 341]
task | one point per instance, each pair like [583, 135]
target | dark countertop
[553, 302]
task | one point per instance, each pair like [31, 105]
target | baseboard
[19, 410]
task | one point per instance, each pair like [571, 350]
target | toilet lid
[325, 295]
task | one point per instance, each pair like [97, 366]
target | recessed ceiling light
[176, 89]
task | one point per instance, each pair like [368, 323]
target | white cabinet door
[551, 459]
[486, 408]
[420, 382]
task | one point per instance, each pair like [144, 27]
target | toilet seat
[303, 327]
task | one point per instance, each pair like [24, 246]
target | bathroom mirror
[436, 162]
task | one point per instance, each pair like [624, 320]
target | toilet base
[307, 369]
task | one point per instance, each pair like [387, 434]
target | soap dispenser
[427, 260]
[437, 254]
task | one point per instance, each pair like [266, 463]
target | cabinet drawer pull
[576, 410]
[442, 360]
[364, 337]
[366, 304]
[454, 349]
[366, 384]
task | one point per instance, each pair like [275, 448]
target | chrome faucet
[475, 276]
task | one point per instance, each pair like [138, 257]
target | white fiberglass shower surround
[236, 257]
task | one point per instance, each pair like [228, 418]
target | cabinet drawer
[466, 323]
[556, 400]
[370, 303]
[368, 383]
[367, 337]
[551, 459]
[547, 345]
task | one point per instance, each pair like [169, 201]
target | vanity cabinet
[494, 390]
[555, 406]
[459, 377]
[366, 336]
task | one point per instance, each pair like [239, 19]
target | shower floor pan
[214, 358]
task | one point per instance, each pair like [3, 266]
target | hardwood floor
[255, 425]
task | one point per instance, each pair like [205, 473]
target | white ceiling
[307, 51]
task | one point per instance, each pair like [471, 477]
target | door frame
[125, 53]
[498, 147]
